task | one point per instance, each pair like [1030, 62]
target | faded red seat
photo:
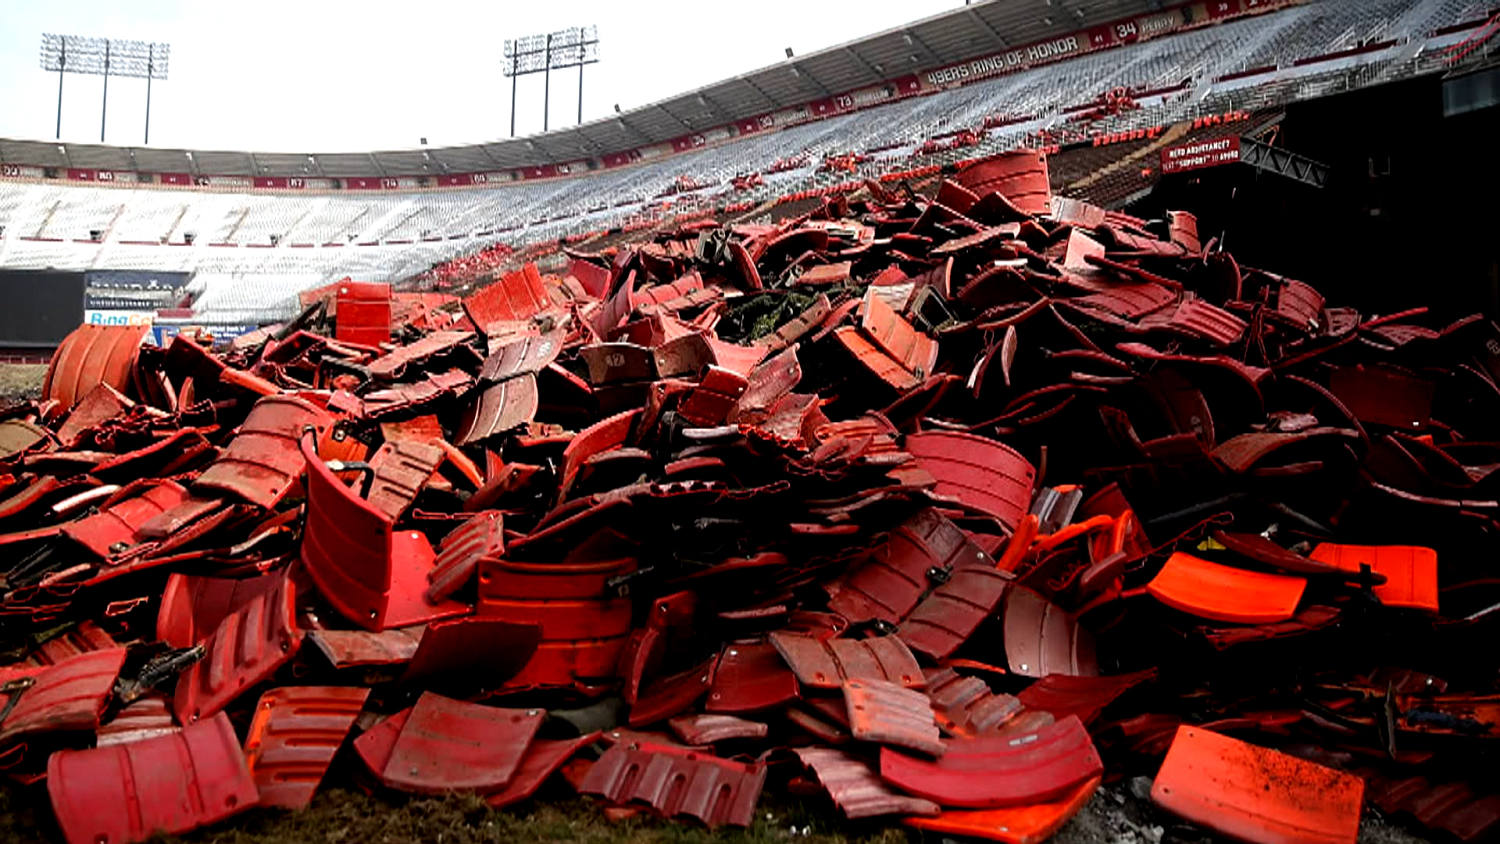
[369, 571]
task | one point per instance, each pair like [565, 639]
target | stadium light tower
[107, 57]
[572, 47]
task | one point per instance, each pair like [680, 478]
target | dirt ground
[1114, 816]
[343, 815]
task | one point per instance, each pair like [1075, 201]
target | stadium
[1067, 419]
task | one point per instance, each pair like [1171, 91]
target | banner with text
[1199, 154]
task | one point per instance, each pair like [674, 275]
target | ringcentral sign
[990, 65]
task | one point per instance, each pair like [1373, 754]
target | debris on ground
[942, 512]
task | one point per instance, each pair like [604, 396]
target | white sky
[316, 76]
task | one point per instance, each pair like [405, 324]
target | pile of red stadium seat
[468, 268]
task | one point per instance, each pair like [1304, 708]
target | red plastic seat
[364, 312]
[373, 574]
[584, 623]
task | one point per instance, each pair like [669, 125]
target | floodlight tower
[523, 56]
[572, 47]
[107, 57]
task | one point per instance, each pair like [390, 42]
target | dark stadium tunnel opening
[1408, 217]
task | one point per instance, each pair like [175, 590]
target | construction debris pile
[944, 509]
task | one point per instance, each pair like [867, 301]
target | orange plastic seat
[1256, 794]
[1031, 824]
[1225, 593]
[1410, 571]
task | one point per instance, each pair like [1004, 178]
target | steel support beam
[803, 73]
[868, 68]
[630, 129]
[547, 86]
[984, 25]
[104, 104]
[916, 41]
[716, 110]
[1283, 162]
[775, 103]
[62, 66]
[150, 62]
[484, 149]
[585, 145]
[662, 107]
[513, 76]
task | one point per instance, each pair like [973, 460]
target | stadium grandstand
[1104, 87]
[1039, 421]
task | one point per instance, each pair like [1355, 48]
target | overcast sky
[315, 76]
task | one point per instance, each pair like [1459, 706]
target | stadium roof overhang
[972, 30]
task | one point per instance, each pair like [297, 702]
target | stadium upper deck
[957, 48]
[961, 46]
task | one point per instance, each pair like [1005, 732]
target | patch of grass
[348, 816]
[342, 816]
[21, 380]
